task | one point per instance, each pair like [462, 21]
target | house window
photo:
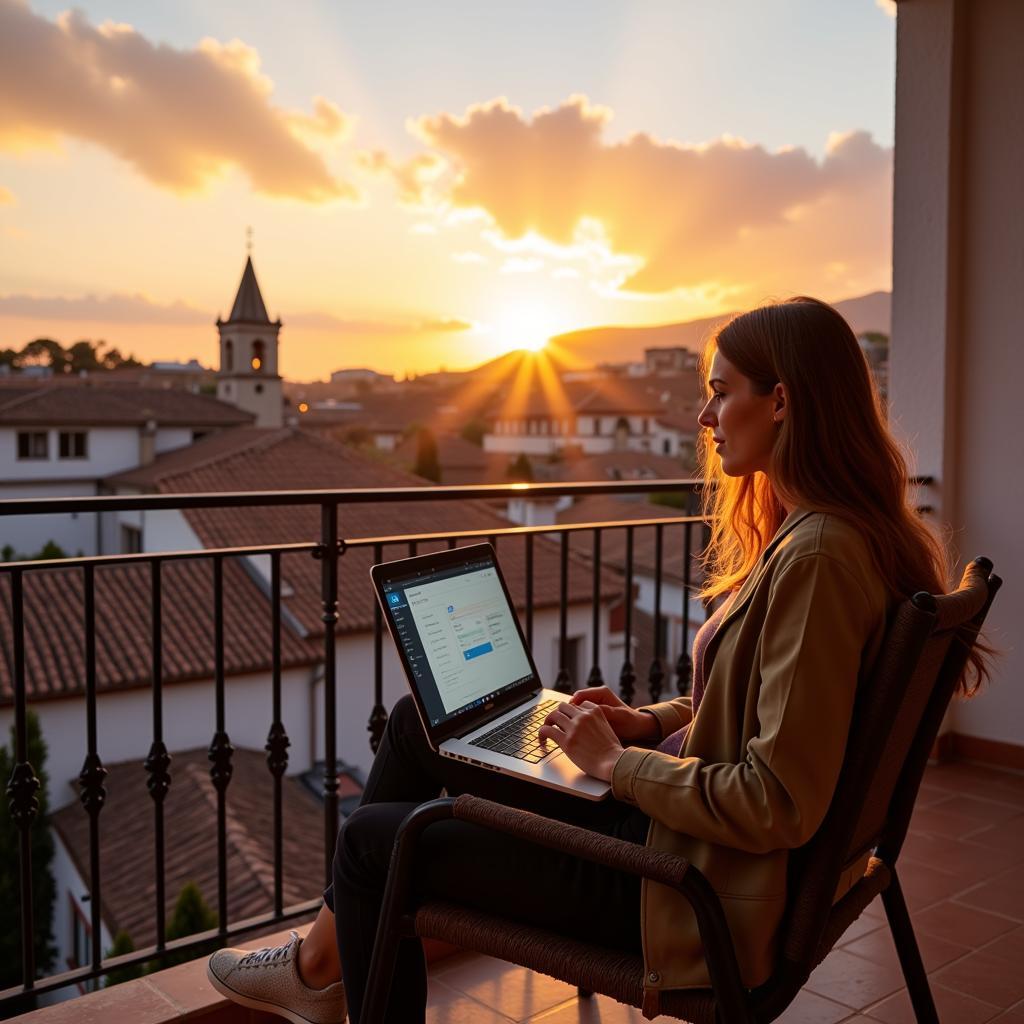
[259, 389]
[81, 945]
[72, 444]
[131, 539]
[33, 444]
[666, 446]
[573, 647]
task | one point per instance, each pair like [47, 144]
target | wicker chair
[896, 719]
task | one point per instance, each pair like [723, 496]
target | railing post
[329, 600]
[220, 750]
[656, 673]
[379, 715]
[684, 664]
[627, 676]
[562, 681]
[93, 793]
[595, 678]
[277, 738]
[158, 763]
[23, 784]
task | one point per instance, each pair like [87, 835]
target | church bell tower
[248, 375]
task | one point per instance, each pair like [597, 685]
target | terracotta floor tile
[952, 1007]
[985, 977]
[449, 1006]
[1003, 894]
[879, 947]
[1007, 836]
[864, 925]
[1014, 1016]
[854, 981]
[595, 1010]
[950, 818]
[969, 861]
[809, 1008]
[923, 885]
[962, 924]
[513, 991]
[1008, 947]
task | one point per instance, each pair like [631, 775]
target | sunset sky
[434, 184]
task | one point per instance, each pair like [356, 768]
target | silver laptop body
[468, 666]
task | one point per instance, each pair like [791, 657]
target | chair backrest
[896, 719]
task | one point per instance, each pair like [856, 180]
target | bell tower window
[258, 355]
[229, 356]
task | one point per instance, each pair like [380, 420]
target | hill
[626, 344]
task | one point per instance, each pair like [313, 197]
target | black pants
[468, 864]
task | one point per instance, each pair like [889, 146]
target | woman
[812, 541]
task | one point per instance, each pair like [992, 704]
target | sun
[526, 325]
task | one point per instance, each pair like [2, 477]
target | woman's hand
[627, 723]
[583, 732]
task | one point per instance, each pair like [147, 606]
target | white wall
[109, 449]
[956, 359]
[74, 531]
[169, 438]
[125, 723]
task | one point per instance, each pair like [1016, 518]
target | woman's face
[743, 424]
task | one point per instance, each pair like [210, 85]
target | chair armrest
[618, 854]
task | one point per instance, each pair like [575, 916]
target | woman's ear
[781, 404]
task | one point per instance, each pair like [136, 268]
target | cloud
[125, 309]
[6, 197]
[722, 217]
[413, 176]
[180, 117]
[330, 322]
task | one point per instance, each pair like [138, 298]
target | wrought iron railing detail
[565, 553]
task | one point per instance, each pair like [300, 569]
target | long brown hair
[833, 453]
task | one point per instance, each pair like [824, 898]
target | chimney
[147, 443]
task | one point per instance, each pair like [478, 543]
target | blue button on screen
[475, 652]
[393, 598]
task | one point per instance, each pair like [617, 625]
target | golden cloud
[180, 117]
[6, 197]
[723, 217]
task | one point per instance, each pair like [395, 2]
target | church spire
[249, 307]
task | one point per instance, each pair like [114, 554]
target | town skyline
[560, 174]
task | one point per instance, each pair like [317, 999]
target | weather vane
[248, 241]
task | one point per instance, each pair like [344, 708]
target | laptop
[473, 679]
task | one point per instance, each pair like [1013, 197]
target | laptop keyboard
[518, 736]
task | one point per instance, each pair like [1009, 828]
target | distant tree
[876, 337]
[427, 463]
[51, 549]
[7, 555]
[113, 360]
[8, 357]
[43, 352]
[43, 888]
[357, 436]
[473, 432]
[122, 944]
[519, 470]
[84, 355]
[191, 915]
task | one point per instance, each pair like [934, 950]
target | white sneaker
[268, 979]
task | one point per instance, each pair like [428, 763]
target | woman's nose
[706, 417]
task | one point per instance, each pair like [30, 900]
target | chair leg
[583, 993]
[910, 956]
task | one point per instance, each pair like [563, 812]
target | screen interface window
[460, 639]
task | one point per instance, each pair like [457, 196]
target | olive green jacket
[761, 759]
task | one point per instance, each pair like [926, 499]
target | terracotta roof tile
[190, 810]
[55, 628]
[87, 403]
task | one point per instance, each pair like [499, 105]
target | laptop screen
[458, 634]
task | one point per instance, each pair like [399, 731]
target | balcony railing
[329, 548]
